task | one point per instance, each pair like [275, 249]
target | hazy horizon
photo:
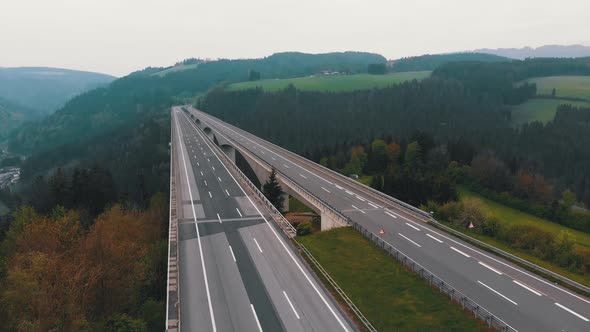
[116, 37]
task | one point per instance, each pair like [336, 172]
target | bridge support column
[229, 151]
[328, 221]
[285, 200]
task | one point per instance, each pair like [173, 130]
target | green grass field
[565, 86]
[334, 83]
[296, 206]
[391, 297]
[510, 216]
[540, 110]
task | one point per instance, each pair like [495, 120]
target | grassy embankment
[335, 83]
[390, 296]
[509, 216]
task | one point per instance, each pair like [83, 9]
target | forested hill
[46, 89]
[12, 115]
[433, 61]
[132, 97]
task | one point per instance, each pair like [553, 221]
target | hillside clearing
[565, 86]
[540, 109]
[335, 83]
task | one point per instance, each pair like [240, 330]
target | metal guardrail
[466, 303]
[290, 232]
[173, 272]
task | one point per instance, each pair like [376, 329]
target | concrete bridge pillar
[229, 151]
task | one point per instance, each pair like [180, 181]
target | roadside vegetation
[390, 296]
[335, 82]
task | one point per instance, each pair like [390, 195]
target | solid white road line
[414, 227]
[459, 251]
[256, 317]
[219, 218]
[291, 304]
[214, 326]
[326, 190]
[495, 291]
[489, 267]
[210, 195]
[391, 215]
[303, 176]
[363, 212]
[240, 213]
[527, 287]
[435, 239]
[293, 259]
[405, 237]
[259, 249]
[227, 192]
[572, 312]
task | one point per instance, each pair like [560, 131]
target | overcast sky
[120, 36]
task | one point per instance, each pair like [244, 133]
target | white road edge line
[198, 235]
[315, 288]
[414, 227]
[291, 304]
[256, 317]
[490, 268]
[259, 249]
[527, 288]
[495, 291]
[232, 253]
[435, 239]
[459, 251]
[572, 312]
[407, 238]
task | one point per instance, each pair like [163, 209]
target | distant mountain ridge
[546, 51]
[46, 89]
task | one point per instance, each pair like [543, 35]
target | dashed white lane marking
[407, 238]
[202, 173]
[349, 192]
[326, 190]
[363, 212]
[360, 198]
[286, 166]
[337, 186]
[213, 167]
[219, 218]
[572, 312]
[232, 254]
[227, 192]
[495, 291]
[435, 239]
[210, 195]
[527, 287]
[259, 249]
[303, 176]
[373, 205]
[240, 213]
[489, 268]
[205, 182]
[291, 304]
[218, 178]
[256, 317]
[273, 158]
[414, 227]
[391, 215]
[459, 251]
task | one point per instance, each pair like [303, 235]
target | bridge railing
[445, 288]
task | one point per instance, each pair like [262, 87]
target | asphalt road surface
[520, 298]
[237, 272]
